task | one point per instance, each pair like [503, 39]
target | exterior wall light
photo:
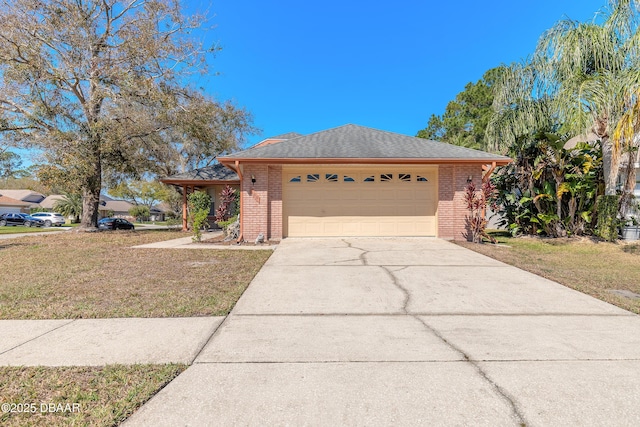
[253, 179]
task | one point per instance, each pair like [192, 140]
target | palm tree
[584, 76]
[70, 205]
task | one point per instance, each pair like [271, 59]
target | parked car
[115, 224]
[25, 220]
[50, 218]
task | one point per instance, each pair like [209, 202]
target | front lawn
[99, 275]
[20, 229]
[95, 396]
[595, 268]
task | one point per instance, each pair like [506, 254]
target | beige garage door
[359, 201]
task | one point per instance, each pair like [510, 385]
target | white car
[50, 218]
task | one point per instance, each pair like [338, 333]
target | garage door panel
[369, 192]
[360, 208]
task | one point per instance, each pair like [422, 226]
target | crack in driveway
[363, 255]
[499, 390]
[405, 291]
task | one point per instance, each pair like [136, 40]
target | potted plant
[631, 226]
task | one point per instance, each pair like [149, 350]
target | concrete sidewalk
[188, 243]
[181, 242]
[97, 342]
[407, 332]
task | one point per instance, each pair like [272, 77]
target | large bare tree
[102, 88]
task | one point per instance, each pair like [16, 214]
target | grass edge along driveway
[599, 269]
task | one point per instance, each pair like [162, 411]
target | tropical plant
[70, 205]
[477, 202]
[582, 75]
[228, 204]
[549, 189]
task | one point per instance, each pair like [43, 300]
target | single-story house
[210, 179]
[11, 205]
[355, 181]
[109, 207]
[32, 198]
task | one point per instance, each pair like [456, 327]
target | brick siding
[452, 210]
[262, 202]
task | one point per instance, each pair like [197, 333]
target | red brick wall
[262, 202]
[452, 180]
[275, 202]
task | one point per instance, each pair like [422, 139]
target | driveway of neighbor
[407, 331]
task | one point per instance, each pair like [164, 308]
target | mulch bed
[221, 242]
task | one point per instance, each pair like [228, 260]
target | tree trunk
[610, 166]
[90, 201]
[91, 192]
[559, 225]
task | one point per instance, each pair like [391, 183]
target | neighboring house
[120, 209]
[33, 198]
[49, 202]
[109, 207]
[156, 213]
[11, 205]
[211, 179]
[355, 181]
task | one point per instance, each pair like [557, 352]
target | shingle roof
[217, 172]
[359, 142]
[24, 195]
[10, 201]
[51, 200]
[289, 135]
[116, 206]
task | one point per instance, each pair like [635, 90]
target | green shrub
[141, 213]
[198, 203]
[172, 223]
[608, 223]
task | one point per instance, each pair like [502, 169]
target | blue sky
[306, 66]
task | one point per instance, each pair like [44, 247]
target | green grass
[99, 275]
[96, 396]
[19, 229]
[592, 267]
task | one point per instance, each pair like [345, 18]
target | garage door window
[313, 177]
[422, 179]
[370, 179]
[295, 179]
[348, 179]
[331, 177]
[386, 177]
[405, 177]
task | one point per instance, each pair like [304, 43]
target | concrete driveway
[402, 331]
